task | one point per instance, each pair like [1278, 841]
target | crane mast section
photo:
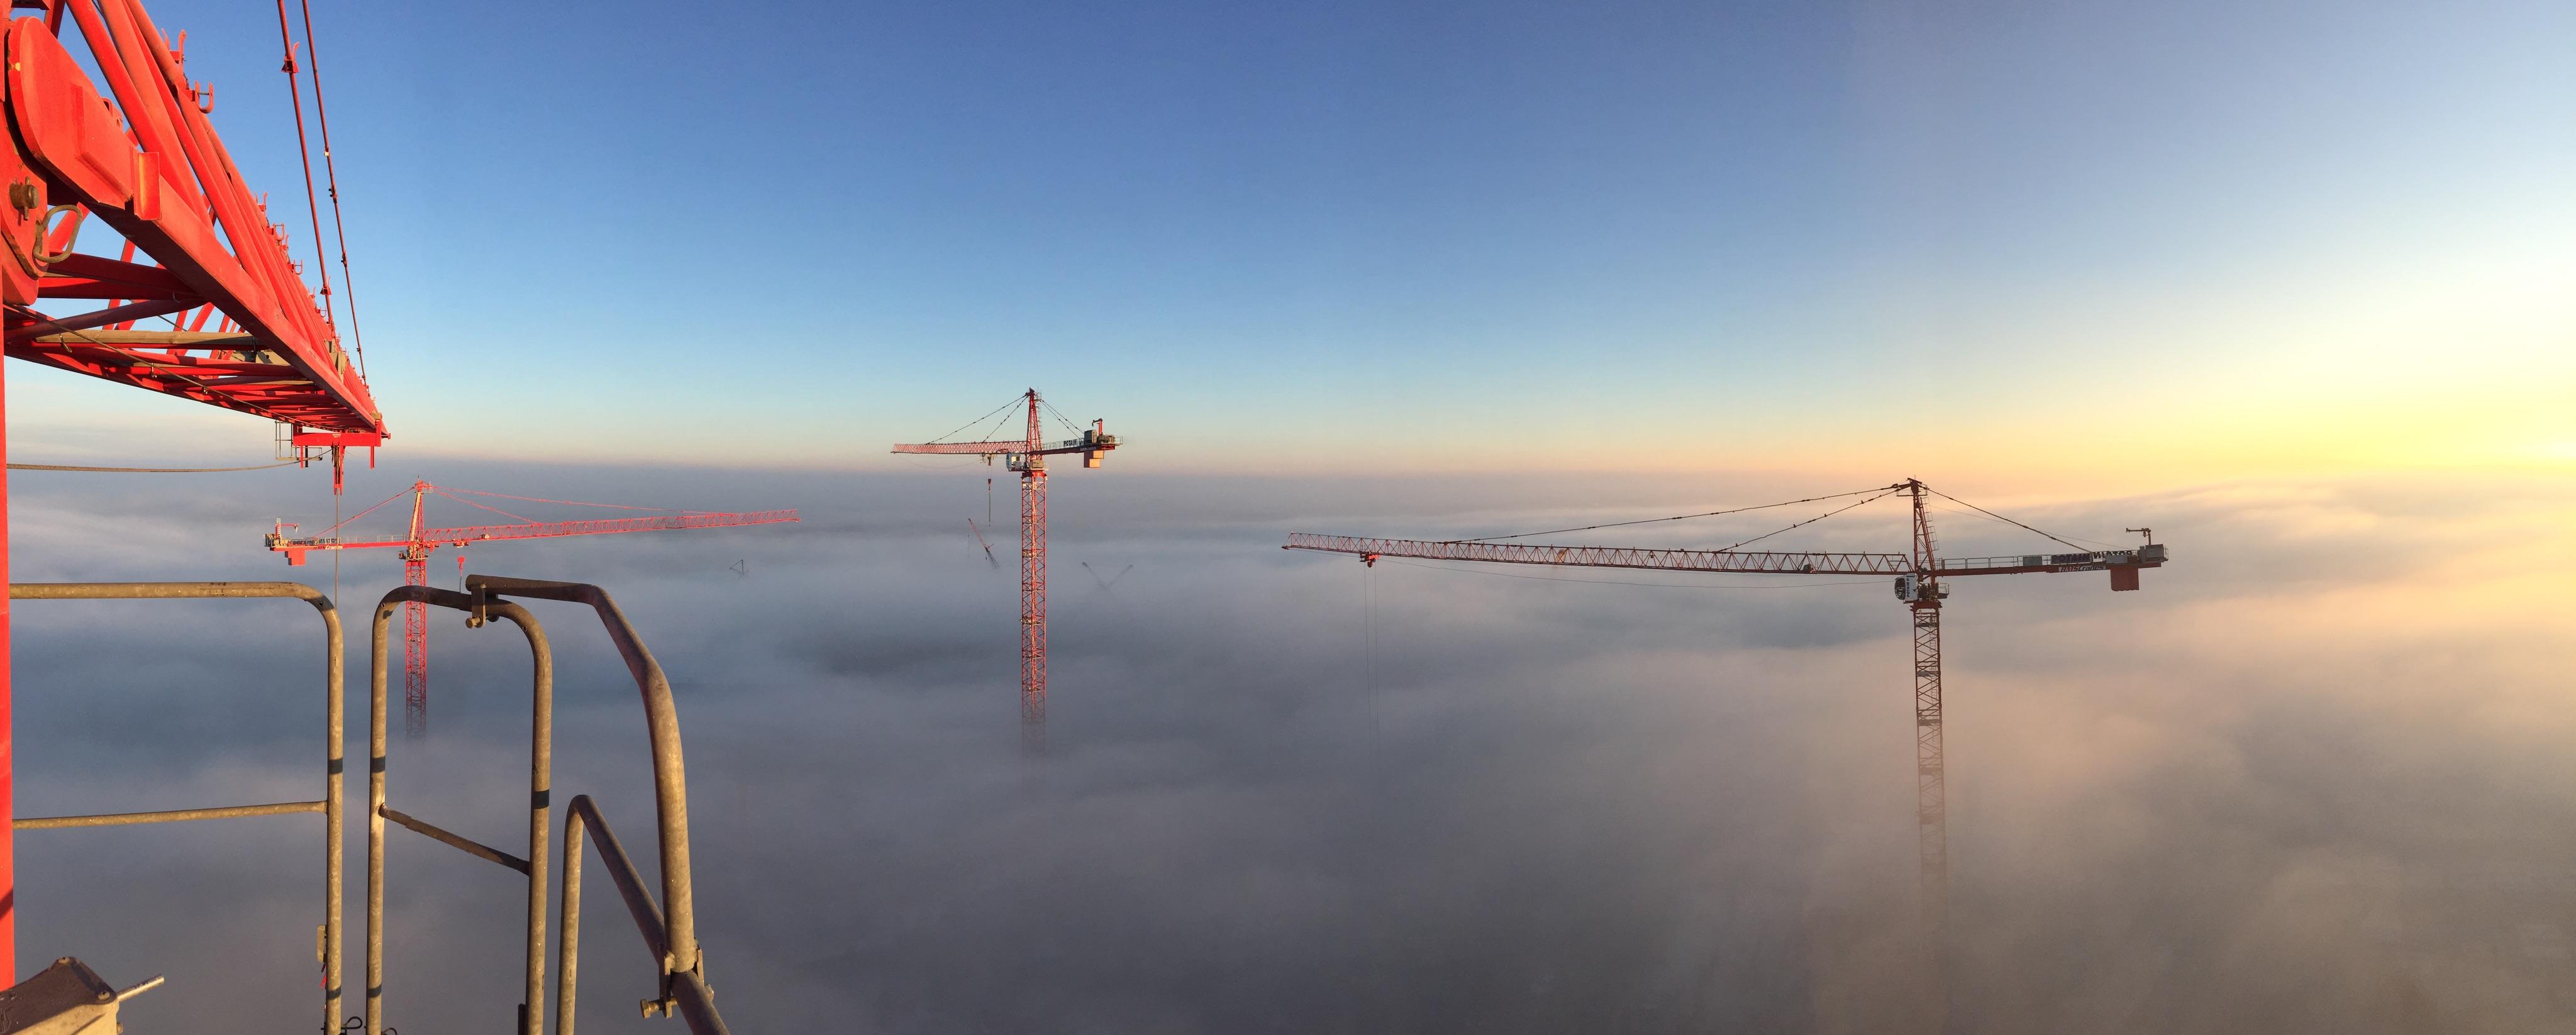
[150, 166]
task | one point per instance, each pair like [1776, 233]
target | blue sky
[1406, 236]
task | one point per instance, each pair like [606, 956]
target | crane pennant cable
[1882, 492]
[1875, 494]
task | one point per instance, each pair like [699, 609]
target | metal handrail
[330, 806]
[693, 1001]
[682, 987]
[540, 775]
[662, 726]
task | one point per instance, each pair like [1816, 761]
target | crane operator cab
[1910, 588]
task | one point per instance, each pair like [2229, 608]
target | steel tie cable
[979, 420]
[1676, 517]
[331, 170]
[2000, 517]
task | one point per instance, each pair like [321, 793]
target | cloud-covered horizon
[2308, 779]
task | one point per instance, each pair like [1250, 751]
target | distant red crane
[1918, 583]
[417, 544]
[1027, 455]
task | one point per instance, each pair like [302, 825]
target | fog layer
[2313, 777]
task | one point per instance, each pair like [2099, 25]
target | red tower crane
[417, 544]
[1918, 574]
[136, 149]
[1027, 455]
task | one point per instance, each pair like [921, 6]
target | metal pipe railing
[119, 819]
[457, 841]
[662, 725]
[541, 737]
[671, 937]
[682, 988]
[331, 804]
[687, 992]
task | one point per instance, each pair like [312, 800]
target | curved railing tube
[685, 992]
[662, 724]
[541, 737]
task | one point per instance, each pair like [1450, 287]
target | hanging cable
[312, 206]
[1999, 517]
[331, 170]
[1677, 517]
[1368, 628]
[148, 470]
[335, 554]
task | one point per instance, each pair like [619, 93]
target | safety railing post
[333, 714]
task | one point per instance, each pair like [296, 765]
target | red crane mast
[1027, 455]
[1918, 575]
[418, 543]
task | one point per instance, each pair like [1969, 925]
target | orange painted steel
[139, 154]
[145, 161]
[420, 542]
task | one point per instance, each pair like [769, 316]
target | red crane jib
[152, 168]
[295, 549]
[2122, 564]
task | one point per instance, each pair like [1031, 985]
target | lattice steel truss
[1027, 455]
[1931, 815]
